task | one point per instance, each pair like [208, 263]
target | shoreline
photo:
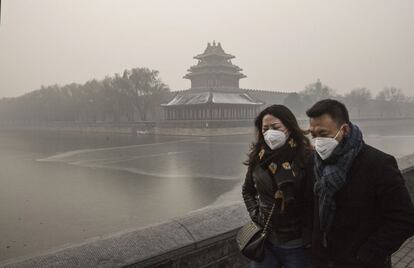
[201, 128]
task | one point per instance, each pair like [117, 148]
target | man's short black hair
[334, 108]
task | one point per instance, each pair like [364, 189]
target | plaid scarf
[331, 174]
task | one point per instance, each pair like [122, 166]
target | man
[363, 211]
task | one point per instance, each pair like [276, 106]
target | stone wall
[203, 131]
[177, 127]
[129, 128]
[202, 238]
[204, 127]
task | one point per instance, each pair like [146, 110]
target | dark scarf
[331, 174]
[278, 165]
[286, 153]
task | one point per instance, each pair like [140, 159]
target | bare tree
[144, 87]
[318, 91]
[358, 98]
[389, 100]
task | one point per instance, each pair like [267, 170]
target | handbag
[251, 238]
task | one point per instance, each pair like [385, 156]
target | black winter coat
[374, 215]
[258, 194]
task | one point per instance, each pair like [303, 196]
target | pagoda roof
[197, 98]
[203, 65]
[214, 50]
[214, 72]
[234, 98]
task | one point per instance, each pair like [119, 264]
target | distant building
[215, 93]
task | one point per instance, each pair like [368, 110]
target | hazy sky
[281, 45]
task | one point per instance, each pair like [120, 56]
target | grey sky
[281, 45]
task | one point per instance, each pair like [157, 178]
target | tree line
[136, 95]
[131, 96]
[390, 102]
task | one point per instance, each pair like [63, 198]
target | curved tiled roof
[196, 98]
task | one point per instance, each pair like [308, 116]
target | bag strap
[273, 206]
[268, 219]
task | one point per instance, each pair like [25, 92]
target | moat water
[58, 188]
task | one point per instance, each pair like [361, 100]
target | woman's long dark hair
[289, 120]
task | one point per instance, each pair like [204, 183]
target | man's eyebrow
[317, 130]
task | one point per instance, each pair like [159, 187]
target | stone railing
[202, 238]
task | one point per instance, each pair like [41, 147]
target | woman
[280, 170]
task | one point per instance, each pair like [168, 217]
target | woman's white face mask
[325, 146]
[274, 138]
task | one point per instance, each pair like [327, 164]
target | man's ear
[347, 129]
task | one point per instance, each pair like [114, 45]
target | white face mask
[324, 146]
[274, 138]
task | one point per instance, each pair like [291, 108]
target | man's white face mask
[274, 138]
[324, 146]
